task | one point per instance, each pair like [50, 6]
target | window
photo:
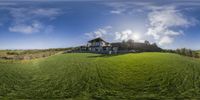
[97, 43]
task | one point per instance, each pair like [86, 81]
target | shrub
[185, 52]
[13, 53]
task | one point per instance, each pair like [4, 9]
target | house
[98, 45]
[116, 46]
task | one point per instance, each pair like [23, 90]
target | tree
[182, 51]
[189, 52]
[130, 44]
[124, 45]
[155, 47]
[195, 54]
[147, 42]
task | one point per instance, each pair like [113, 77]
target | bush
[184, 52]
[12, 53]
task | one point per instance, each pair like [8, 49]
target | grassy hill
[29, 54]
[93, 76]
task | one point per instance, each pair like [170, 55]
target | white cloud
[128, 34]
[162, 24]
[101, 32]
[116, 11]
[7, 3]
[165, 40]
[26, 29]
[29, 20]
[117, 8]
[127, 7]
[111, 35]
[50, 12]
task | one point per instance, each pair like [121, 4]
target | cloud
[101, 32]
[110, 35]
[117, 8]
[194, 3]
[50, 12]
[116, 11]
[26, 29]
[131, 7]
[127, 7]
[166, 40]
[166, 19]
[31, 20]
[128, 34]
[162, 24]
[7, 3]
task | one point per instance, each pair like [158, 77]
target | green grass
[93, 76]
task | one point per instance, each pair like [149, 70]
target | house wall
[115, 49]
[104, 44]
[95, 49]
[103, 50]
[101, 43]
[95, 44]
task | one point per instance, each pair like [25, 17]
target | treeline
[140, 47]
[184, 52]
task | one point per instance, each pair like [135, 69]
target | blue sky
[56, 24]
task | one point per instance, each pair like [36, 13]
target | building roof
[97, 40]
[117, 44]
[139, 44]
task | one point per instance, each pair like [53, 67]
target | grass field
[93, 76]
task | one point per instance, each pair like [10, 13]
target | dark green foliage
[83, 76]
[184, 52]
[141, 47]
[12, 53]
[187, 52]
[169, 51]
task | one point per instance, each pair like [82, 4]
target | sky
[42, 24]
